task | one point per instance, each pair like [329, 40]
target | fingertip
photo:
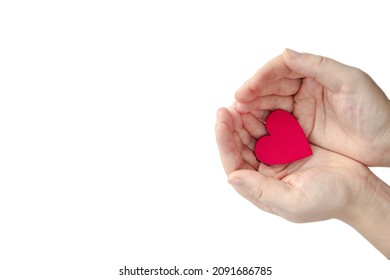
[235, 181]
[243, 175]
[240, 107]
[224, 116]
[222, 126]
[291, 53]
[246, 92]
[238, 182]
[220, 112]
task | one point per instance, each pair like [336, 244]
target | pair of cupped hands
[346, 118]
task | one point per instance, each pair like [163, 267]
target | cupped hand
[339, 107]
[323, 186]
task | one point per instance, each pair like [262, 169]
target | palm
[328, 116]
[311, 182]
[319, 185]
[331, 101]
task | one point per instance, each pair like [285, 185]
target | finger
[269, 103]
[245, 142]
[231, 157]
[260, 114]
[267, 80]
[253, 88]
[229, 154]
[259, 189]
[274, 70]
[244, 193]
[254, 126]
[283, 86]
[246, 152]
[274, 171]
[245, 137]
[328, 72]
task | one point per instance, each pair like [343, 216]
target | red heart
[286, 141]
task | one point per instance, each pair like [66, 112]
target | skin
[335, 181]
[330, 100]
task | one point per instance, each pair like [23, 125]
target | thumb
[326, 71]
[264, 192]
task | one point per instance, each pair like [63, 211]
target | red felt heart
[286, 141]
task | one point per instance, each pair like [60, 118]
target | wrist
[386, 154]
[386, 145]
[369, 214]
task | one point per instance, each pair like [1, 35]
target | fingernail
[291, 53]
[237, 182]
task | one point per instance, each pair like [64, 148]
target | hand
[323, 186]
[339, 107]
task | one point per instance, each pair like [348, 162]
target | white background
[107, 149]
